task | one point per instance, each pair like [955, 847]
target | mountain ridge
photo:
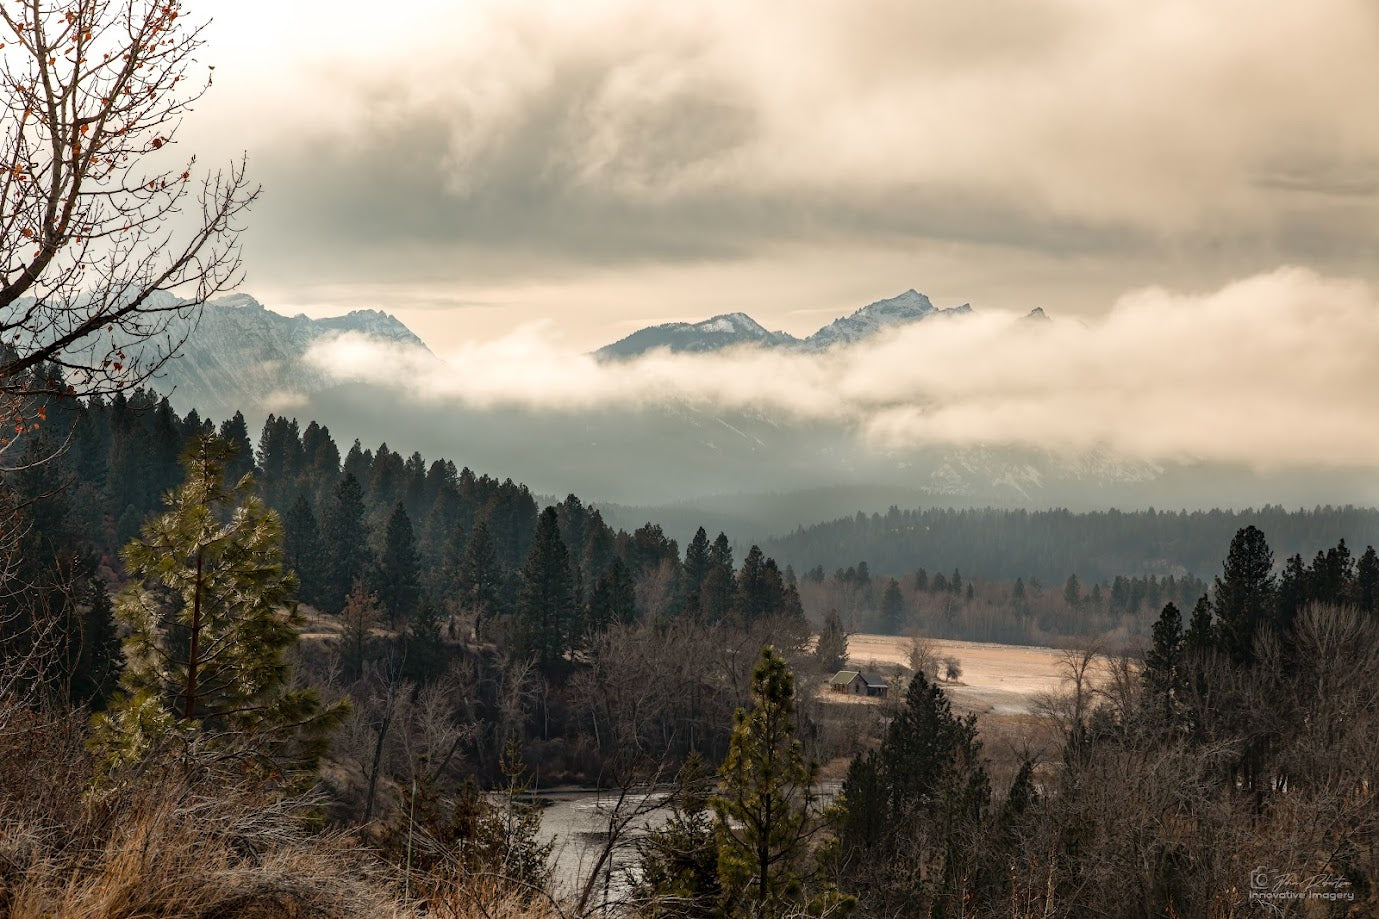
[729, 330]
[239, 354]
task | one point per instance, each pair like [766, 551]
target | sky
[594, 167]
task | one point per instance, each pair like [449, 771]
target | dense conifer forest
[457, 647]
[1050, 545]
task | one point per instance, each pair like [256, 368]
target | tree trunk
[377, 757]
[194, 651]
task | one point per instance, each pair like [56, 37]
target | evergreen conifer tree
[481, 577]
[357, 621]
[1163, 664]
[235, 431]
[303, 551]
[1244, 593]
[545, 623]
[211, 617]
[679, 862]
[1200, 637]
[892, 609]
[95, 657]
[1367, 581]
[423, 645]
[717, 593]
[695, 569]
[343, 529]
[756, 598]
[765, 805]
[912, 807]
[398, 576]
[613, 598]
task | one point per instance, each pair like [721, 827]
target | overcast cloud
[589, 162]
[1274, 371]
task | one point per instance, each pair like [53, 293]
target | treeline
[1051, 545]
[1024, 611]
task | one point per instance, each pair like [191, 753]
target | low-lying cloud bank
[1274, 371]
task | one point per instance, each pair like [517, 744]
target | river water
[576, 821]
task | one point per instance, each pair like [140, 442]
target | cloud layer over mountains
[532, 154]
[1273, 371]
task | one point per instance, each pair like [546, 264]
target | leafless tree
[103, 270]
[1070, 706]
[924, 657]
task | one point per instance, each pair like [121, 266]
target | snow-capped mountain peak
[374, 323]
[732, 329]
[910, 306]
[725, 330]
[242, 355]
[238, 301]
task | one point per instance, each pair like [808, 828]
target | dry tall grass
[192, 845]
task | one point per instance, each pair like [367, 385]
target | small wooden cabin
[858, 683]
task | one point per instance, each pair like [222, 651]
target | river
[576, 820]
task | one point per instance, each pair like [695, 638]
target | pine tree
[96, 659]
[1201, 631]
[303, 551]
[613, 599]
[398, 576]
[481, 578]
[1163, 664]
[717, 594]
[1072, 591]
[679, 861]
[695, 569]
[235, 432]
[765, 805]
[1294, 592]
[1244, 593]
[424, 651]
[1367, 581]
[892, 609]
[210, 616]
[911, 807]
[343, 529]
[545, 625]
[756, 598]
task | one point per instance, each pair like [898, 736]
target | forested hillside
[1051, 545]
[468, 639]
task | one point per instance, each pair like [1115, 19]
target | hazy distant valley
[752, 472]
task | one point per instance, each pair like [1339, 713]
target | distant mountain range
[243, 356]
[678, 462]
[738, 329]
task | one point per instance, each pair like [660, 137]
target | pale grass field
[996, 679]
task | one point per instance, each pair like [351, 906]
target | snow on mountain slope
[243, 356]
[911, 306]
[724, 331]
[734, 329]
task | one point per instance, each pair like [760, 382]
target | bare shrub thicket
[1270, 768]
